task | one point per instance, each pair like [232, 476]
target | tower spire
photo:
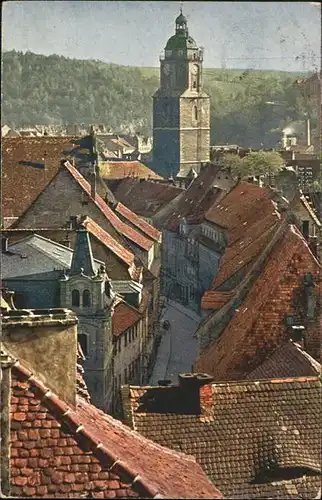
[82, 261]
[181, 4]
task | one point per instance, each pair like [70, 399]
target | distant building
[181, 108]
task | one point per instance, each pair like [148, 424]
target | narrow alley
[178, 348]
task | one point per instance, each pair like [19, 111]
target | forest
[248, 107]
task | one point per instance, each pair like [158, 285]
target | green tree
[258, 163]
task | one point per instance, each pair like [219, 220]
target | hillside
[41, 89]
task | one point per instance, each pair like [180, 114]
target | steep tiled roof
[258, 325]
[113, 245]
[23, 174]
[194, 203]
[215, 300]
[145, 197]
[120, 226]
[245, 250]
[240, 206]
[141, 224]
[288, 360]
[57, 450]
[122, 169]
[124, 317]
[242, 433]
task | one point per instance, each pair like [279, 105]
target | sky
[259, 35]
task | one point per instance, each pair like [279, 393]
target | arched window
[195, 113]
[75, 298]
[86, 298]
[82, 339]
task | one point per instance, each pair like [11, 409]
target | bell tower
[181, 109]
[88, 292]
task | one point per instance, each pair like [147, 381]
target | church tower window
[86, 298]
[195, 113]
[75, 298]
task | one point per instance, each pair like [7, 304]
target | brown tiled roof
[122, 169]
[124, 317]
[240, 207]
[145, 197]
[257, 326]
[141, 224]
[23, 174]
[119, 225]
[122, 253]
[215, 300]
[244, 431]
[57, 450]
[196, 200]
[245, 250]
[288, 360]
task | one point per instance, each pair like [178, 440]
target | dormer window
[279, 473]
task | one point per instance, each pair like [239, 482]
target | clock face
[166, 69]
[194, 69]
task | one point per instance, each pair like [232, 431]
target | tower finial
[181, 7]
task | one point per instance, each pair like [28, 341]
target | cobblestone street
[178, 348]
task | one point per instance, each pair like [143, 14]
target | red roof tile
[241, 432]
[194, 202]
[124, 317]
[288, 360]
[240, 206]
[245, 250]
[214, 299]
[120, 226]
[23, 174]
[258, 324]
[113, 245]
[57, 450]
[122, 169]
[137, 221]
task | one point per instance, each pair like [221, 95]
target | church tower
[88, 292]
[181, 109]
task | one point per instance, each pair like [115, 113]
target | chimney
[308, 132]
[4, 242]
[44, 341]
[190, 384]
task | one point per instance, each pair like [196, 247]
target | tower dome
[181, 39]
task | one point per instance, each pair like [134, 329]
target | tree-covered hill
[53, 89]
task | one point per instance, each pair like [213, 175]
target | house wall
[188, 269]
[34, 343]
[61, 199]
[128, 359]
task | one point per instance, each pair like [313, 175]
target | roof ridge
[89, 221]
[64, 412]
[233, 383]
[151, 231]
[123, 229]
